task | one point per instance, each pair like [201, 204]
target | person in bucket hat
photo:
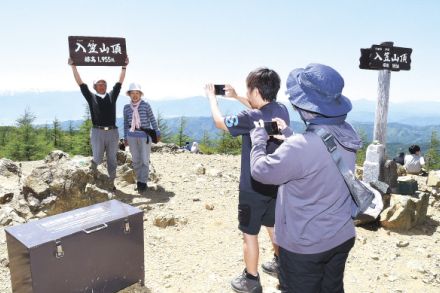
[138, 117]
[313, 224]
[104, 134]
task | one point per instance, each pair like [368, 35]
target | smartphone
[219, 89]
[271, 127]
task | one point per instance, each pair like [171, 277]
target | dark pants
[314, 273]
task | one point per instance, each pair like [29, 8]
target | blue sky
[175, 47]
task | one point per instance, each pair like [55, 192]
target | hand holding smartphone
[271, 128]
[219, 89]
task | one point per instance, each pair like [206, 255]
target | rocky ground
[192, 243]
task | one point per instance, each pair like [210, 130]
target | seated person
[414, 162]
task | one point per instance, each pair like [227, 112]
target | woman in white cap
[138, 117]
[313, 224]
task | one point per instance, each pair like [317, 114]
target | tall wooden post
[383, 91]
[383, 57]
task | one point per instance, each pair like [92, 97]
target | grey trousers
[105, 141]
[140, 153]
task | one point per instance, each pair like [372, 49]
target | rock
[209, 207]
[9, 168]
[390, 175]
[123, 157]
[37, 183]
[402, 243]
[4, 262]
[97, 193]
[165, 148]
[434, 179]
[200, 169]
[163, 221]
[6, 195]
[405, 212]
[126, 174]
[214, 173]
[5, 215]
[55, 156]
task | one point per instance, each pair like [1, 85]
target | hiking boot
[94, 170]
[271, 267]
[246, 283]
[141, 186]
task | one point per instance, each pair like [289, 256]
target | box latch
[59, 253]
[126, 226]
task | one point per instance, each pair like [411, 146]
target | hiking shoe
[245, 284]
[271, 267]
[141, 186]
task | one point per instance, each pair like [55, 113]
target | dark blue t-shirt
[242, 124]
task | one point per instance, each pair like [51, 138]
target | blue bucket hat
[318, 89]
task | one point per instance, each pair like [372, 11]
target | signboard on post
[97, 51]
[382, 57]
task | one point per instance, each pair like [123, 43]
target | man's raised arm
[75, 72]
[123, 71]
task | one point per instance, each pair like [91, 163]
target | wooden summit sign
[385, 57]
[97, 51]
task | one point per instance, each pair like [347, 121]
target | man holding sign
[104, 134]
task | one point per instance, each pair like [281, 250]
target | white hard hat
[134, 87]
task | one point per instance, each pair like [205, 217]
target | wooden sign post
[385, 58]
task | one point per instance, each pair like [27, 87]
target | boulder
[123, 157]
[37, 183]
[390, 175]
[10, 177]
[6, 195]
[405, 212]
[9, 168]
[161, 147]
[55, 156]
[434, 178]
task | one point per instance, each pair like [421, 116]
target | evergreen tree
[24, 144]
[165, 132]
[228, 144]
[362, 153]
[180, 137]
[83, 146]
[432, 155]
[56, 133]
[207, 144]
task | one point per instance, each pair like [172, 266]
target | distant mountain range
[71, 106]
[408, 123]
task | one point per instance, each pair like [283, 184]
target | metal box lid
[49, 229]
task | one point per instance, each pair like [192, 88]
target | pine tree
[24, 144]
[83, 145]
[228, 144]
[180, 137]
[432, 155]
[207, 144]
[165, 132]
[56, 133]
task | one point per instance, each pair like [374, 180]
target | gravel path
[202, 251]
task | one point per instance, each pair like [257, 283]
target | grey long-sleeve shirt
[313, 209]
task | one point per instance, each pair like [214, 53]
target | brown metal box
[99, 248]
